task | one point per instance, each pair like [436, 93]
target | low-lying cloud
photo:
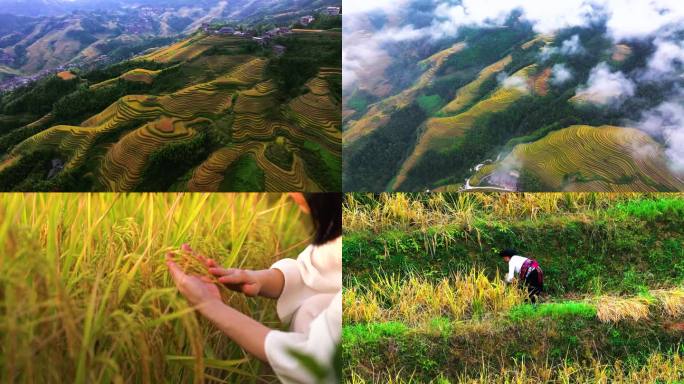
[560, 74]
[666, 61]
[605, 87]
[513, 82]
[666, 122]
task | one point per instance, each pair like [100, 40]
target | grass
[418, 211]
[567, 308]
[658, 368]
[424, 301]
[85, 295]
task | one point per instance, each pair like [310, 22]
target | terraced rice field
[218, 92]
[124, 163]
[440, 132]
[66, 75]
[621, 52]
[209, 175]
[183, 50]
[139, 75]
[540, 82]
[318, 114]
[468, 93]
[606, 158]
[378, 114]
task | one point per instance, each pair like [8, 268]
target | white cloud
[572, 46]
[666, 60]
[605, 87]
[352, 7]
[666, 121]
[513, 82]
[625, 19]
[560, 74]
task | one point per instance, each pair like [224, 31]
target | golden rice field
[209, 175]
[439, 132]
[85, 296]
[606, 158]
[124, 163]
[378, 113]
[466, 94]
[231, 88]
[139, 75]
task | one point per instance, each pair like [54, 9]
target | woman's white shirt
[514, 266]
[311, 302]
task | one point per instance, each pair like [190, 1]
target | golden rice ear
[612, 309]
[671, 301]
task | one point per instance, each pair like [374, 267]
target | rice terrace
[425, 298]
[210, 112]
[85, 295]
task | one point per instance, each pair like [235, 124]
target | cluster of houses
[264, 39]
[13, 82]
[330, 11]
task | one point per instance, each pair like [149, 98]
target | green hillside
[498, 99]
[424, 299]
[179, 117]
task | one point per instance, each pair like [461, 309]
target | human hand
[197, 290]
[239, 280]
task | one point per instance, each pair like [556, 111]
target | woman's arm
[242, 329]
[204, 295]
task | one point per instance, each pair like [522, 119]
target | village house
[332, 11]
[306, 20]
[226, 31]
[278, 50]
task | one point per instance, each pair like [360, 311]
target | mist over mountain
[514, 95]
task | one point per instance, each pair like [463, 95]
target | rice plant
[85, 296]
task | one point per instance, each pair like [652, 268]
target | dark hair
[508, 252]
[326, 213]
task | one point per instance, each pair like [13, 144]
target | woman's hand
[198, 290]
[239, 280]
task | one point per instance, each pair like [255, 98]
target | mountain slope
[584, 158]
[457, 122]
[208, 113]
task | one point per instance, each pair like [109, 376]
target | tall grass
[415, 300]
[369, 212]
[85, 296]
[658, 368]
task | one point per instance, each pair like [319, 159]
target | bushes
[322, 166]
[172, 161]
[377, 157]
[39, 98]
[302, 60]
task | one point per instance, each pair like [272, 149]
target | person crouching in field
[528, 270]
[308, 290]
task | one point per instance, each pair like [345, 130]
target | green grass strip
[569, 308]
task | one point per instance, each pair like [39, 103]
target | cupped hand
[239, 280]
[197, 290]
